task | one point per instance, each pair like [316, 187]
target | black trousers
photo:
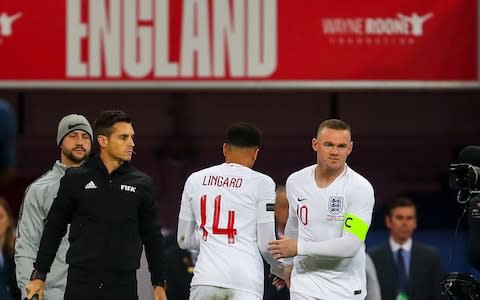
[100, 285]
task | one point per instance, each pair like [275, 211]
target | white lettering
[386, 26]
[137, 42]
[229, 35]
[342, 26]
[195, 39]
[262, 37]
[76, 31]
[135, 39]
[127, 188]
[163, 66]
[104, 38]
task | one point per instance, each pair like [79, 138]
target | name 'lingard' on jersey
[221, 181]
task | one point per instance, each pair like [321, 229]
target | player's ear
[225, 148]
[350, 147]
[314, 144]
[254, 156]
[102, 140]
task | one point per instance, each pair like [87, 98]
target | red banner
[237, 41]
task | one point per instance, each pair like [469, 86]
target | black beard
[75, 159]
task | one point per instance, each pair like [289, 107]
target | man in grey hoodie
[74, 138]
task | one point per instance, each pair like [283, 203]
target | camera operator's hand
[35, 287]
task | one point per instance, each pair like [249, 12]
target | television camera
[465, 177]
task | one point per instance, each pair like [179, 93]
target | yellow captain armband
[355, 225]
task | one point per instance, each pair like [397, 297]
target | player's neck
[241, 157]
[239, 160]
[324, 177]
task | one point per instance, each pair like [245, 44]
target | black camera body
[465, 173]
[461, 286]
[465, 176]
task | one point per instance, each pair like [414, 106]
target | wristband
[162, 284]
[38, 275]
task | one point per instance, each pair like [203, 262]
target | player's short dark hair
[244, 135]
[335, 124]
[399, 202]
[105, 121]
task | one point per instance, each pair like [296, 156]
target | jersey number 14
[230, 231]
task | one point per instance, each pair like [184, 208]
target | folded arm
[357, 221]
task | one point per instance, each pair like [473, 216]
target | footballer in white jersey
[330, 210]
[324, 214]
[227, 212]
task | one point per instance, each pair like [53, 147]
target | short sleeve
[186, 211]
[266, 200]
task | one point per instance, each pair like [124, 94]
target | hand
[282, 248]
[159, 293]
[287, 273]
[276, 281]
[35, 287]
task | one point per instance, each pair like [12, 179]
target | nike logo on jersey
[90, 186]
[74, 125]
[127, 188]
[301, 199]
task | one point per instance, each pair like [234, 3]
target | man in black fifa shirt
[112, 212]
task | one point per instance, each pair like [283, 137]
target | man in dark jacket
[112, 212]
[406, 269]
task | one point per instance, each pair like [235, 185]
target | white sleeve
[291, 228]
[29, 232]
[345, 246]
[265, 234]
[266, 201]
[360, 203]
[187, 237]
[266, 223]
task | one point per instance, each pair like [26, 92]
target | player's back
[227, 201]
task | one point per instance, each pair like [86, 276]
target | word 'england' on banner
[215, 39]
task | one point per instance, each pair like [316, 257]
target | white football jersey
[226, 202]
[320, 216]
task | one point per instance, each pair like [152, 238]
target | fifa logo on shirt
[127, 188]
[6, 23]
[335, 204]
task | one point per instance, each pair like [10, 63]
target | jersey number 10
[302, 214]
[229, 231]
